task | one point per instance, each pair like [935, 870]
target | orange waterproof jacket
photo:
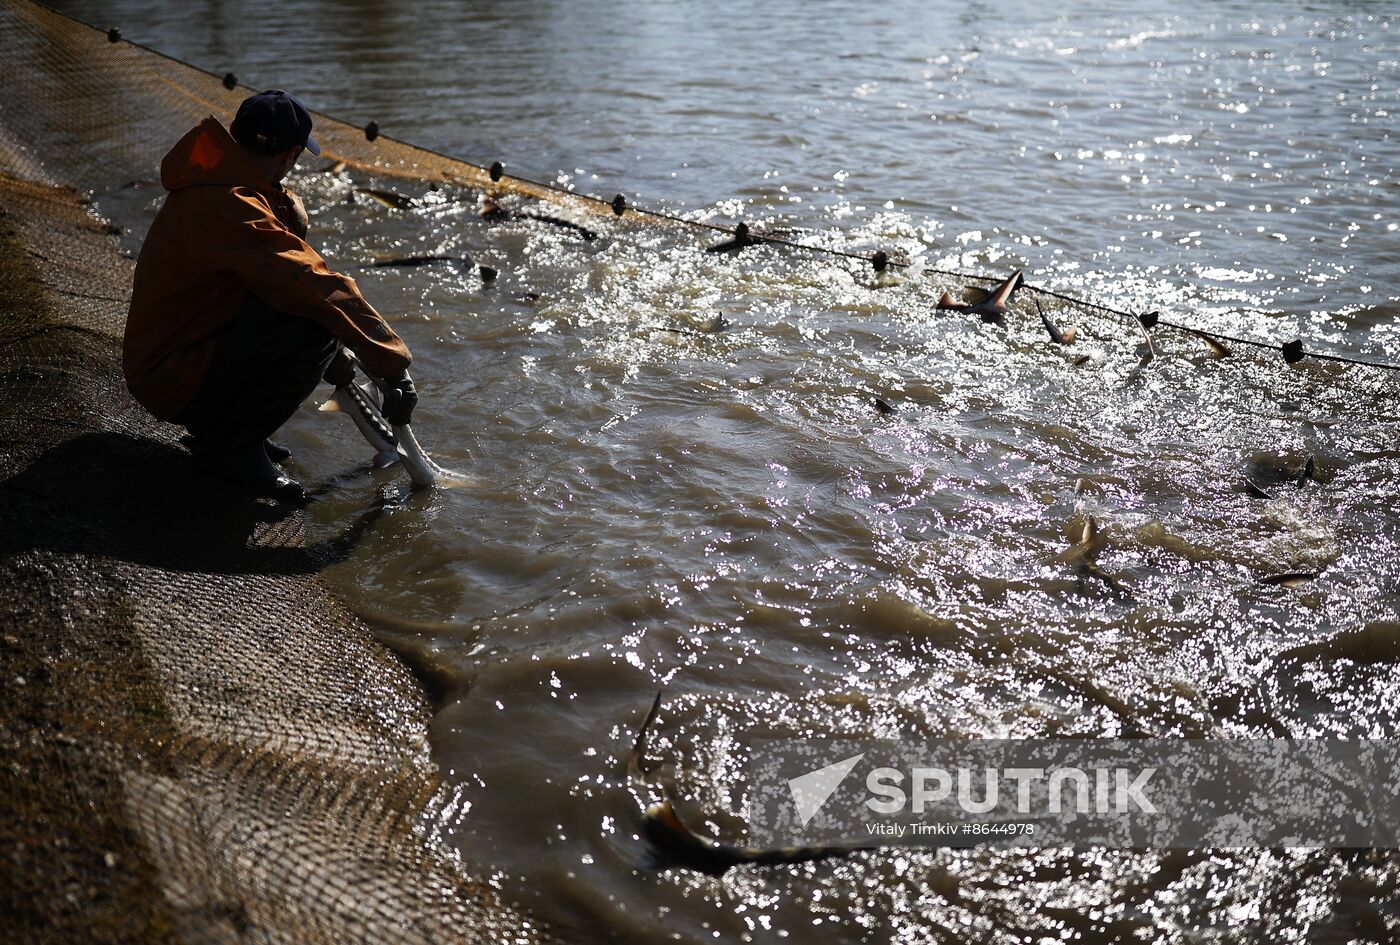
[226, 231]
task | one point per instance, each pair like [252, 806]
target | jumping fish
[675, 844]
[1308, 469]
[387, 197]
[883, 406]
[993, 306]
[1217, 347]
[492, 212]
[1056, 335]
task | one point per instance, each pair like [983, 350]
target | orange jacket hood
[225, 232]
[209, 155]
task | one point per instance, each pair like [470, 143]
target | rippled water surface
[724, 513]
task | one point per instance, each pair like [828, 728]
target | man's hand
[340, 372]
[399, 400]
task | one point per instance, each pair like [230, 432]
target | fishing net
[103, 112]
[106, 110]
[200, 742]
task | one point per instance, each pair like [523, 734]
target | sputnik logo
[812, 790]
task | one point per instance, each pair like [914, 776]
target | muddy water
[725, 514]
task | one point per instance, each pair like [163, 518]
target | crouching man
[234, 318]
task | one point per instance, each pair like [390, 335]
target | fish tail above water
[1000, 297]
[1147, 350]
[1056, 335]
[991, 306]
[1085, 539]
[1218, 348]
[421, 467]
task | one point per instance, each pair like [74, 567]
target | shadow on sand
[118, 496]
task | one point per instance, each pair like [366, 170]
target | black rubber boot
[250, 469]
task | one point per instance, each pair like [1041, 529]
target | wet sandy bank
[201, 741]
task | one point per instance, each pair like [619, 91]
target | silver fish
[392, 444]
[421, 468]
[416, 461]
[355, 402]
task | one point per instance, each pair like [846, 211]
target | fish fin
[447, 479]
[666, 815]
[371, 392]
[948, 302]
[1001, 295]
[1217, 347]
[1151, 349]
[1057, 336]
[1086, 541]
[639, 746]
[385, 459]
[387, 197]
[1256, 490]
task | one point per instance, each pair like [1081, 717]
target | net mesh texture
[200, 742]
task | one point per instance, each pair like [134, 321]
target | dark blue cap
[273, 121]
